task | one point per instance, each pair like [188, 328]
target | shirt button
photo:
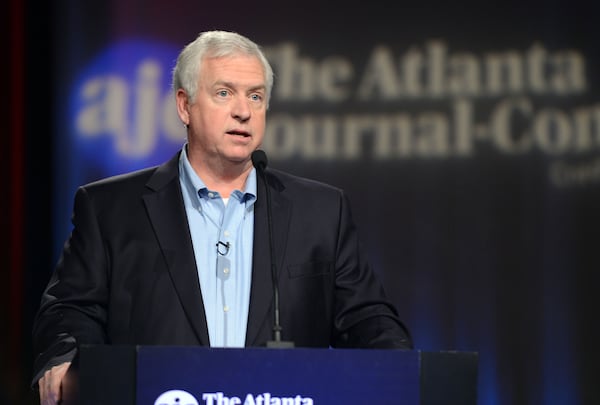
[226, 233]
[225, 308]
[211, 195]
[226, 270]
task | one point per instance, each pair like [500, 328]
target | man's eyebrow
[258, 87]
[234, 85]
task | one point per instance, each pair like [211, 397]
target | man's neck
[222, 177]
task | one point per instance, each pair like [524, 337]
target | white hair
[215, 44]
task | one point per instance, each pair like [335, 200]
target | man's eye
[256, 97]
[222, 93]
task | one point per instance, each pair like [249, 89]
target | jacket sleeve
[363, 316]
[73, 306]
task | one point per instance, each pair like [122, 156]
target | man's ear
[181, 100]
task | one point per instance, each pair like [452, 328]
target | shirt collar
[195, 186]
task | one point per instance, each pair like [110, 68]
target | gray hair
[215, 44]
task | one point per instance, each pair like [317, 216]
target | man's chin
[241, 155]
[239, 159]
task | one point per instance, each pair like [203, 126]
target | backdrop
[466, 134]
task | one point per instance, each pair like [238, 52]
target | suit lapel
[260, 313]
[167, 214]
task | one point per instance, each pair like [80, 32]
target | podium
[156, 375]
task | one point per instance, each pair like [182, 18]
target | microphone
[259, 161]
[223, 248]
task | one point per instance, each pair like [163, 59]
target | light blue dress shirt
[222, 236]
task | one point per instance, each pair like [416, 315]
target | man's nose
[241, 109]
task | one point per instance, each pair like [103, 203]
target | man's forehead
[234, 60]
[241, 69]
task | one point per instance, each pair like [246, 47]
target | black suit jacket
[128, 275]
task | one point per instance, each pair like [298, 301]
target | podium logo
[176, 397]
[217, 398]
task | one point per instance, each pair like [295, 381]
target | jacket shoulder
[287, 182]
[123, 182]
[151, 178]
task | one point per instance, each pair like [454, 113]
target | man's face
[227, 119]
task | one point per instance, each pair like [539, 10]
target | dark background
[482, 253]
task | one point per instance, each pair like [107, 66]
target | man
[179, 254]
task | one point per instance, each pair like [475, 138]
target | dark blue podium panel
[205, 376]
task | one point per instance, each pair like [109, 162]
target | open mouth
[238, 133]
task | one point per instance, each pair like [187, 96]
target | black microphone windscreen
[259, 159]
